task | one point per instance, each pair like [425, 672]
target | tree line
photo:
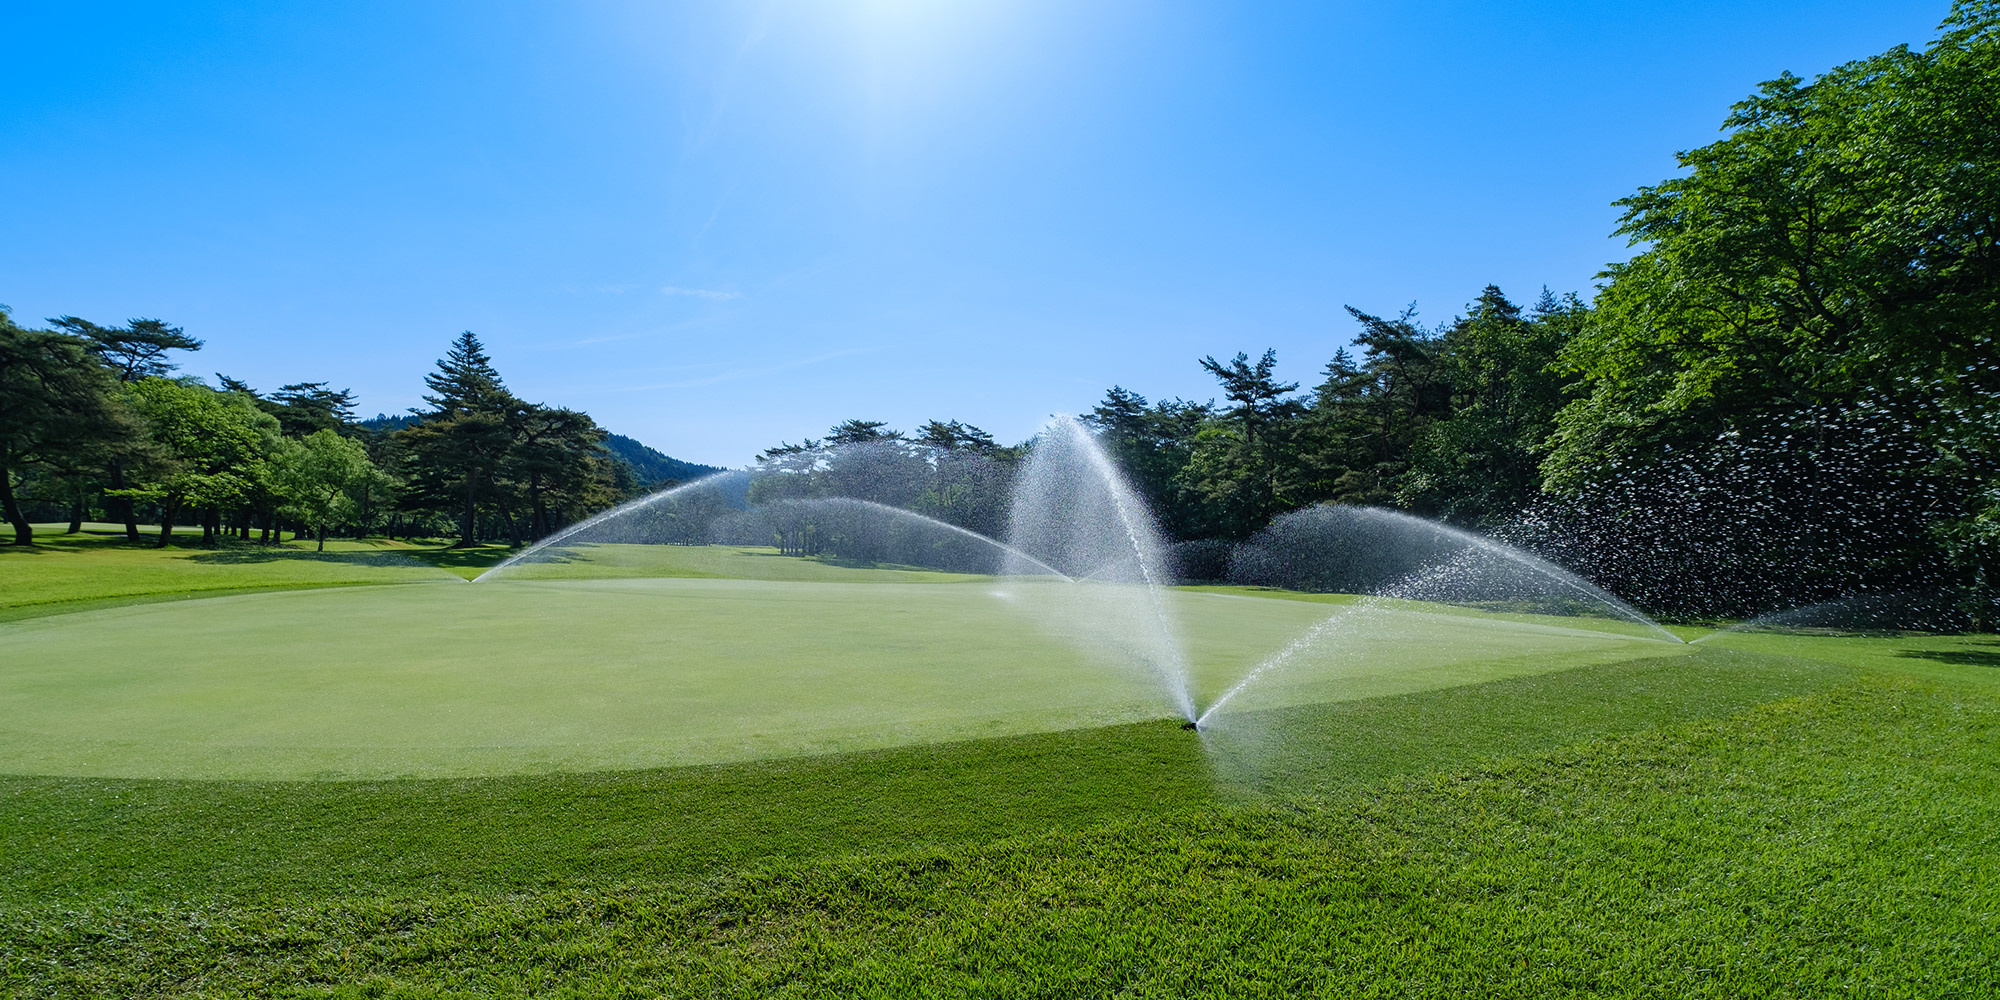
[94, 421]
[1791, 392]
[1787, 394]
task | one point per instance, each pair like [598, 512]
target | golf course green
[664, 770]
[549, 669]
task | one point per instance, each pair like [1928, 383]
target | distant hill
[648, 466]
[651, 466]
[382, 422]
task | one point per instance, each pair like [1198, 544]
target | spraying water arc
[1073, 507]
[583, 527]
[1007, 551]
[1396, 556]
[1936, 610]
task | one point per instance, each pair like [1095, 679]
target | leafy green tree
[1367, 416]
[1449, 421]
[211, 449]
[1837, 244]
[1973, 541]
[951, 471]
[320, 476]
[56, 404]
[970, 479]
[1153, 443]
[1825, 275]
[1480, 460]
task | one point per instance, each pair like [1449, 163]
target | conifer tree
[458, 447]
[135, 351]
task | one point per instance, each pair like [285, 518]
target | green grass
[84, 840]
[1839, 841]
[549, 675]
[732, 562]
[1461, 803]
[98, 568]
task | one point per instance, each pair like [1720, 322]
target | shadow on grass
[47, 542]
[481, 557]
[1988, 656]
[851, 562]
[236, 556]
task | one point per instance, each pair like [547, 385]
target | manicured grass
[732, 562]
[83, 841]
[1442, 802]
[98, 568]
[1916, 653]
[509, 677]
[1839, 842]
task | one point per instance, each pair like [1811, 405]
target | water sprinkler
[1191, 725]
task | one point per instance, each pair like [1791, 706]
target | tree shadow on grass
[230, 557]
[57, 541]
[1986, 656]
[483, 557]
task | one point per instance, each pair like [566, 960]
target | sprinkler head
[1191, 725]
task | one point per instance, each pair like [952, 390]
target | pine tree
[457, 447]
[465, 380]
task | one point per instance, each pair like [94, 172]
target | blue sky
[718, 225]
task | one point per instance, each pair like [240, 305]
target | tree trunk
[24, 533]
[76, 512]
[1982, 600]
[322, 538]
[538, 525]
[167, 511]
[513, 524]
[465, 525]
[121, 508]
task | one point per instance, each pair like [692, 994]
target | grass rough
[1835, 843]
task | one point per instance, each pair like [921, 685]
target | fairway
[547, 675]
